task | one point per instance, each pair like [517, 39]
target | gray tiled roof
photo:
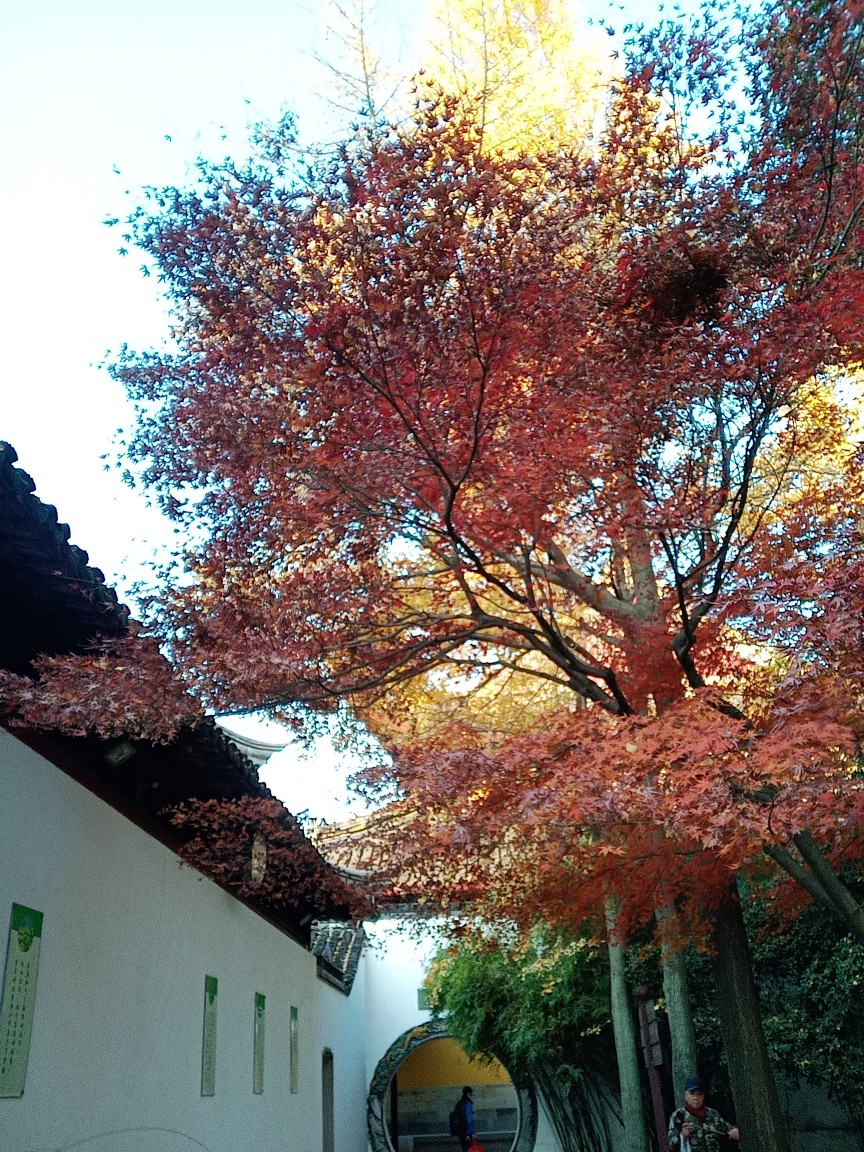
[51, 600]
[338, 947]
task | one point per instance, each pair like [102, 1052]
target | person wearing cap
[696, 1126]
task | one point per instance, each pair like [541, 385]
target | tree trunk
[838, 893]
[822, 882]
[754, 1090]
[626, 1051]
[677, 997]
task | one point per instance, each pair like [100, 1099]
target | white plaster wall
[129, 935]
[396, 965]
[338, 1023]
[546, 1141]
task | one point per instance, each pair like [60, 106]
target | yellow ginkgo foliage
[539, 79]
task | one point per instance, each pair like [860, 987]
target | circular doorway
[408, 1113]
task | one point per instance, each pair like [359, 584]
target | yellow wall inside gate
[443, 1063]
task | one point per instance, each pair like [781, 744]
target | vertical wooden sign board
[208, 1040]
[19, 997]
[258, 1046]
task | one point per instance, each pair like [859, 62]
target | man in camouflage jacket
[697, 1124]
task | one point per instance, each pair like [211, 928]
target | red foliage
[125, 687]
[445, 414]
[290, 872]
[583, 807]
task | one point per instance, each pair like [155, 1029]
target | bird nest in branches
[685, 289]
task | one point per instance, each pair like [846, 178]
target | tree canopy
[451, 417]
[445, 413]
[448, 418]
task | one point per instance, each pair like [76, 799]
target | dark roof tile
[51, 600]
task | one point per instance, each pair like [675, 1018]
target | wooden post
[652, 1051]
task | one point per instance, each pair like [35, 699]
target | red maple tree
[443, 415]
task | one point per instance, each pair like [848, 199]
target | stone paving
[499, 1142]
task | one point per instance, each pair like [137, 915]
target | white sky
[97, 99]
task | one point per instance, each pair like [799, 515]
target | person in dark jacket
[465, 1108]
[696, 1125]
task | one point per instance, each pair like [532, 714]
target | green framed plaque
[208, 1037]
[293, 1052]
[19, 997]
[258, 1045]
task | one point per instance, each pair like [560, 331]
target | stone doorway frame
[402, 1047]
